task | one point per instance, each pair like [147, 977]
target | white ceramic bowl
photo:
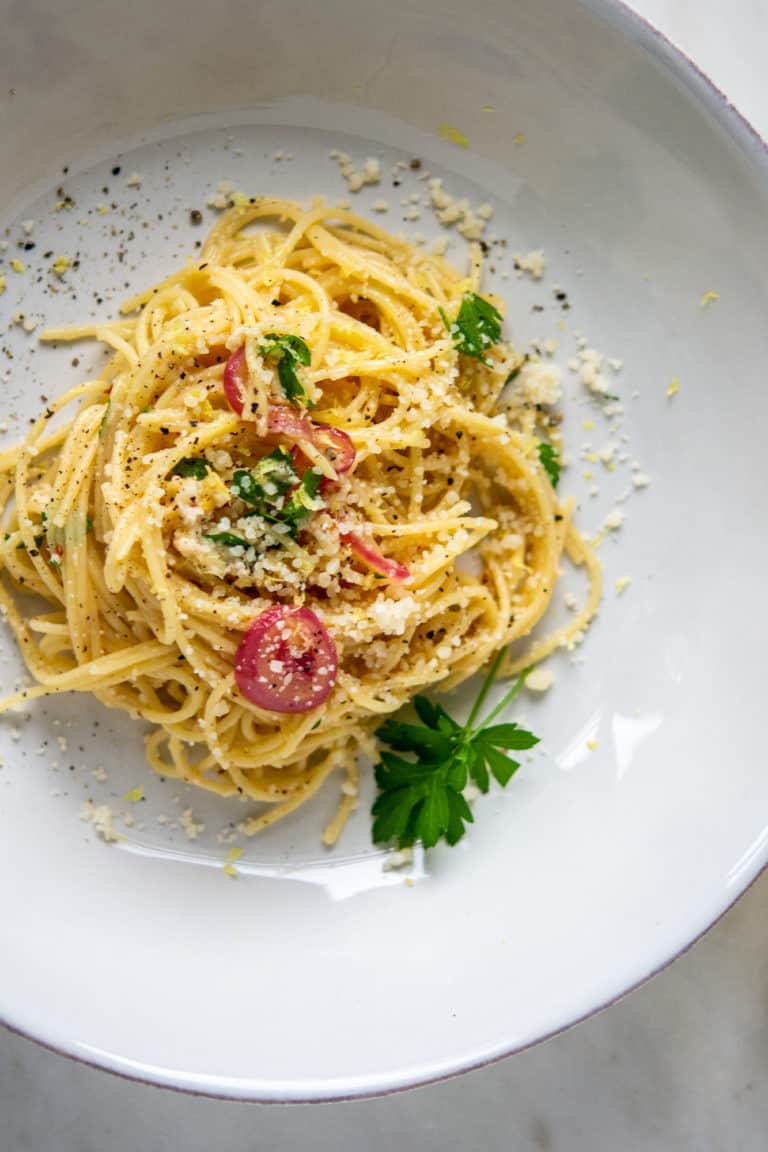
[314, 975]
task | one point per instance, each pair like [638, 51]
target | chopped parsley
[550, 461]
[193, 466]
[287, 352]
[228, 539]
[422, 798]
[265, 486]
[266, 489]
[303, 501]
[476, 327]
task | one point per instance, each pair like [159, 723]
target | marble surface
[680, 1064]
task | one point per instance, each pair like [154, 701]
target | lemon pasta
[308, 484]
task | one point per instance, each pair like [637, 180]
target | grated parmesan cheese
[189, 825]
[540, 679]
[540, 382]
[530, 263]
[102, 818]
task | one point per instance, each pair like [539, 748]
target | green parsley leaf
[286, 352]
[266, 484]
[421, 798]
[229, 539]
[476, 327]
[193, 466]
[412, 738]
[550, 461]
[303, 501]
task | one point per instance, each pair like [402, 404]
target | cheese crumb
[226, 195]
[357, 178]
[101, 817]
[135, 180]
[588, 363]
[622, 584]
[674, 387]
[540, 680]
[641, 480]
[2, 283]
[397, 860]
[592, 745]
[614, 520]
[531, 262]
[134, 795]
[391, 616]
[191, 827]
[17, 265]
[541, 382]
[60, 265]
[380, 206]
[708, 298]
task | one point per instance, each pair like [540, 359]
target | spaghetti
[294, 497]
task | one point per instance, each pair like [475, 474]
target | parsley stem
[489, 679]
[508, 698]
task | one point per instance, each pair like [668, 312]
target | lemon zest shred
[455, 135]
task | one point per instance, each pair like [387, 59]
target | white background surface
[681, 1064]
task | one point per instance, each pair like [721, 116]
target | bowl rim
[643, 32]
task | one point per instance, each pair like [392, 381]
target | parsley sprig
[422, 798]
[476, 327]
[287, 353]
[550, 461]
